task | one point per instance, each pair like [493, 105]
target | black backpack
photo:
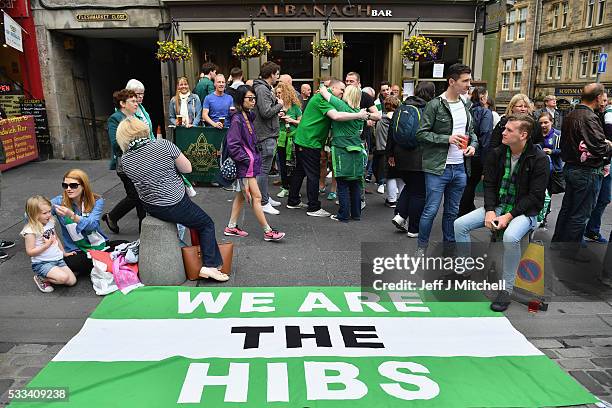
[405, 123]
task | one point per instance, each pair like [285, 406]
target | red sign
[16, 8]
[18, 137]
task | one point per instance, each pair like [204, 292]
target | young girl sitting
[43, 246]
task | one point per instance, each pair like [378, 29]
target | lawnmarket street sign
[301, 347]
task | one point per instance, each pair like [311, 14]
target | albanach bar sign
[322, 10]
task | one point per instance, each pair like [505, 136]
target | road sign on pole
[603, 60]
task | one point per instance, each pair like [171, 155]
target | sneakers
[234, 232]
[209, 272]
[283, 193]
[412, 234]
[112, 225]
[368, 179]
[3, 255]
[268, 209]
[332, 196]
[273, 202]
[381, 189]
[6, 244]
[273, 235]
[390, 204]
[363, 205]
[319, 213]
[501, 302]
[399, 222]
[43, 286]
[591, 236]
[297, 206]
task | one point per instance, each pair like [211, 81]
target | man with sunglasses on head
[309, 140]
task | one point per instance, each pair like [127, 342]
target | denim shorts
[42, 268]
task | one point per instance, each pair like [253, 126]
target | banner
[301, 347]
[202, 146]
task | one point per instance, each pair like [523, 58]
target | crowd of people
[422, 151]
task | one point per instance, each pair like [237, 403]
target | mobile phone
[495, 224]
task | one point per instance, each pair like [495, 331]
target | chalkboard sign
[37, 109]
[10, 103]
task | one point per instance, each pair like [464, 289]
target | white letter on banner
[317, 381]
[236, 383]
[278, 382]
[186, 305]
[250, 300]
[401, 300]
[428, 388]
[318, 300]
[355, 303]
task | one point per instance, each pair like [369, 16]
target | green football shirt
[345, 133]
[314, 126]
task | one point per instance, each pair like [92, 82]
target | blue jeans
[186, 212]
[450, 185]
[515, 231]
[582, 186]
[603, 199]
[349, 197]
[266, 149]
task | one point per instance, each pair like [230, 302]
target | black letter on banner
[251, 340]
[350, 338]
[294, 336]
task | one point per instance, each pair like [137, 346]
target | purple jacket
[241, 145]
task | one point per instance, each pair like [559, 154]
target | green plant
[251, 47]
[172, 51]
[327, 48]
[418, 47]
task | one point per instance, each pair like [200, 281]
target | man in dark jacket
[515, 180]
[266, 128]
[583, 149]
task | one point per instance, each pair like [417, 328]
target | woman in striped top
[154, 167]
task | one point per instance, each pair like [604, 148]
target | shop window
[594, 62]
[584, 62]
[589, 13]
[293, 43]
[601, 9]
[292, 53]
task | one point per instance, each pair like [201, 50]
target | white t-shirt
[455, 155]
[53, 253]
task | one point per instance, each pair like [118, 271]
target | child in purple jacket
[241, 144]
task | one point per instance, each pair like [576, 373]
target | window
[510, 19]
[594, 62]
[522, 23]
[584, 62]
[506, 68]
[556, 8]
[293, 43]
[564, 16]
[570, 65]
[559, 67]
[551, 67]
[292, 53]
[589, 13]
[518, 73]
[601, 6]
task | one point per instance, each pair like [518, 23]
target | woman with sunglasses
[78, 210]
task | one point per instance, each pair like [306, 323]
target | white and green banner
[301, 347]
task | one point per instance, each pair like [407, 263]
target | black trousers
[307, 164]
[466, 205]
[411, 201]
[129, 202]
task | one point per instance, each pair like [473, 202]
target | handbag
[557, 182]
[192, 259]
[228, 169]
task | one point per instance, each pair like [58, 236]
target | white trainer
[273, 202]
[268, 209]
[319, 213]
[381, 189]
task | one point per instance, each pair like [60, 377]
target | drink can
[533, 306]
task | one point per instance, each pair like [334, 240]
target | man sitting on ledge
[515, 180]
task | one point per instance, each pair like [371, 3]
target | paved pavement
[576, 331]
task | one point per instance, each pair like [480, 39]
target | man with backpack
[405, 156]
[446, 135]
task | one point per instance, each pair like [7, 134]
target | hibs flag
[301, 347]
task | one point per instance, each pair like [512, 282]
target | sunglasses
[73, 186]
[250, 98]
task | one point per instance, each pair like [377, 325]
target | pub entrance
[369, 55]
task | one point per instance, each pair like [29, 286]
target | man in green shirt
[309, 140]
[206, 85]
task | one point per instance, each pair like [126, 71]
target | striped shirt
[153, 171]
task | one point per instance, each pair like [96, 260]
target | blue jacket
[194, 108]
[241, 146]
[483, 127]
[88, 223]
[551, 141]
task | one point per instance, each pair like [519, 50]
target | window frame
[589, 14]
[558, 66]
[564, 14]
[550, 67]
[601, 11]
[570, 65]
[510, 25]
[506, 74]
[584, 64]
[556, 8]
[522, 23]
[594, 62]
[517, 73]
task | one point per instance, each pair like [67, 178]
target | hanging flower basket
[327, 48]
[419, 48]
[251, 47]
[172, 51]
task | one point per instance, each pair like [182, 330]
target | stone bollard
[160, 261]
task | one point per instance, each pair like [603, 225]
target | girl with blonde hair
[291, 115]
[519, 105]
[42, 245]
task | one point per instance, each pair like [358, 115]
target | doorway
[215, 48]
[368, 55]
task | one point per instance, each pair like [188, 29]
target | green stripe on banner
[425, 382]
[165, 303]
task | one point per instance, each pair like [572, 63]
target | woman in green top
[290, 116]
[348, 154]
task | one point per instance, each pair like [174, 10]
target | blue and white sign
[603, 60]
[12, 33]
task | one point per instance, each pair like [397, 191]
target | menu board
[10, 103]
[18, 138]
[37, 109]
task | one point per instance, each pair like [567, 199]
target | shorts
[42, 268]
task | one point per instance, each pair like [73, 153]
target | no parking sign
[530, 273]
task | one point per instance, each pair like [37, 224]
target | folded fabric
[102, 280]
[124, 276]
[129, 250]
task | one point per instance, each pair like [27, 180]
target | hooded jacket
[266, 111]
[241, 146]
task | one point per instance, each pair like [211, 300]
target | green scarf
[138, 143]
[507, 190]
